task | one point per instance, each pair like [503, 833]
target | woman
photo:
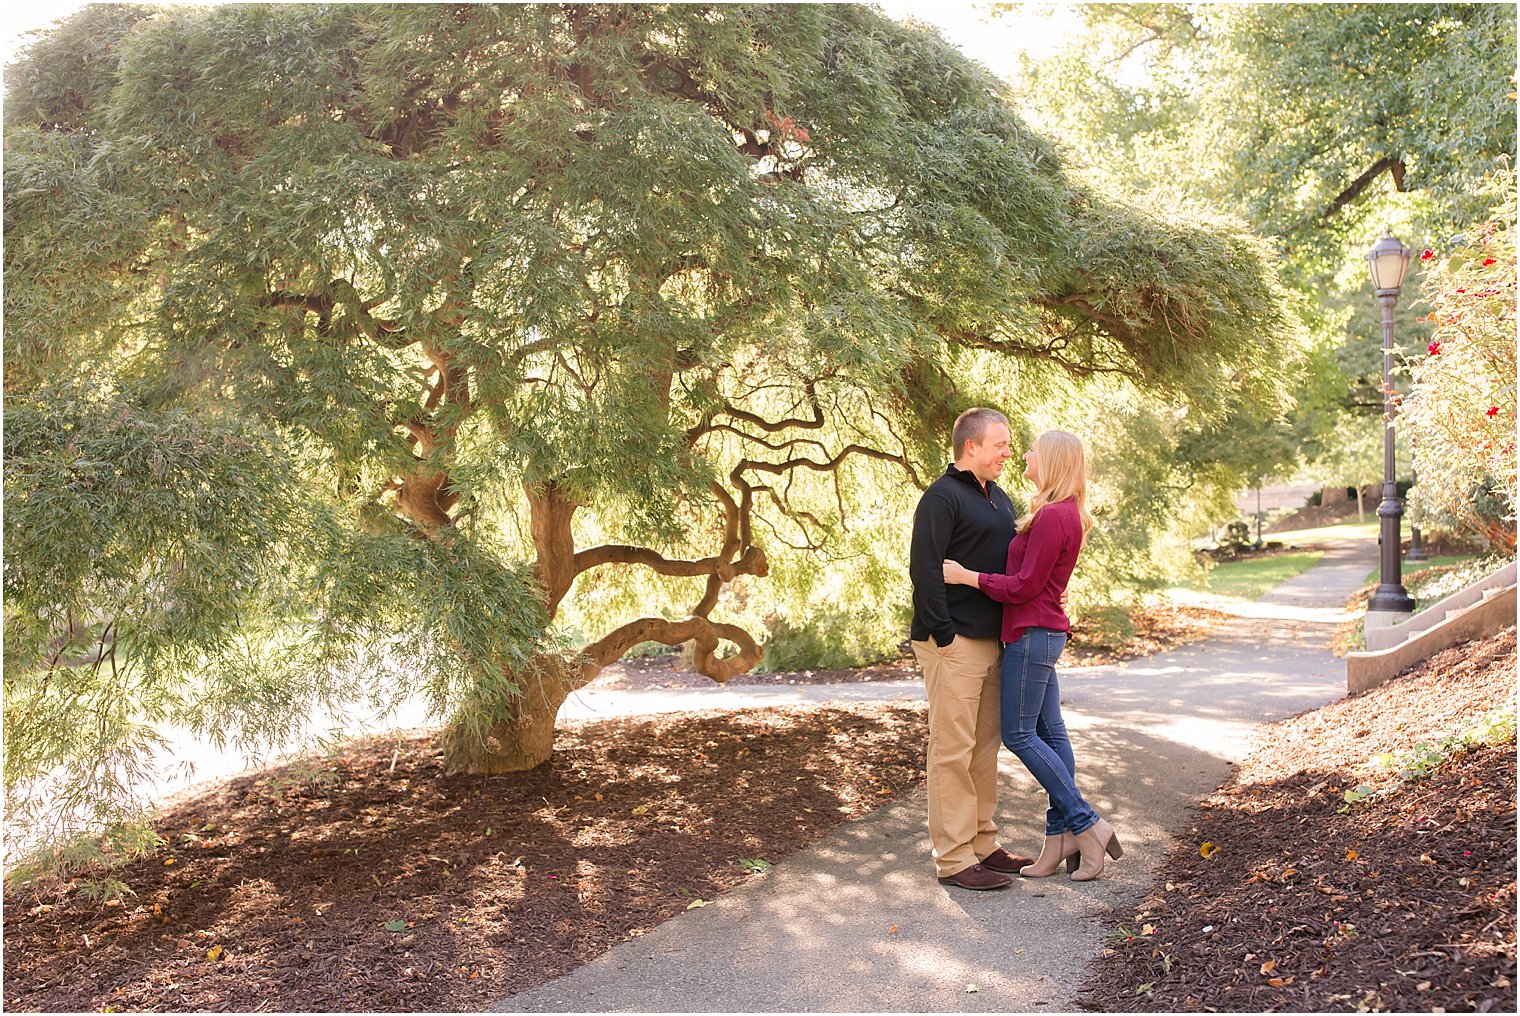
[1040, 562]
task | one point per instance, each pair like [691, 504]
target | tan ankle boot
[1099, 839]
[1055, 850]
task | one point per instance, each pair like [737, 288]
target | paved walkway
[814, 934]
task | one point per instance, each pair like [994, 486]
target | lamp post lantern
[1388, 261]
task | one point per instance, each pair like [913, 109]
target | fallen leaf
[1268, 967]
[1280, 982]
[397, 925]
[168, 861]
[214, 953]
[694, 904]
[1149, 929]
[1351, 855]
[892, 930]
[1208, 849]
[883, 790]
[641, 809]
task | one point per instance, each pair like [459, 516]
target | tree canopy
[399, 328]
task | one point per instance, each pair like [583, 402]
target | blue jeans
[1034, 731]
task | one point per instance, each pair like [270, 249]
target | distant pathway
[816, 933]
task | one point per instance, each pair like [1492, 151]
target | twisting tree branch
[704, 633]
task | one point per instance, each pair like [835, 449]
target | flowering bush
[1461, 410]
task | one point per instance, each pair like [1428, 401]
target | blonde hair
[1063, 474]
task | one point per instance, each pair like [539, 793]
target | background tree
[1461, 407]
[1319, 124]
[480, 316]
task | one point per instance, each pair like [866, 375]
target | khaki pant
[965, 730]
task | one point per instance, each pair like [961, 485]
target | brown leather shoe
[1009, 864]
[976, 877]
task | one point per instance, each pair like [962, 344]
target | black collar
[967, 476]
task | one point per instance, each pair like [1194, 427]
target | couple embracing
[989, 623]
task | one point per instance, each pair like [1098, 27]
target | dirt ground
[1401, 900]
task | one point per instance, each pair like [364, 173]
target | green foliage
[1400, 112]
[1104, 624]
[1438, 578]
[1411, 765]
[430, 345]
[831, 639]
[168, 569]
[1461, 407]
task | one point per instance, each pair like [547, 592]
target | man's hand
[958, 575]
[1063, 601]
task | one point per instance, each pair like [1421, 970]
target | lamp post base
[1391, 599]
[1377, 620]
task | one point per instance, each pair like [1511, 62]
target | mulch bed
[1158, 628]
[370, 880]
[1314, 516]
[1403, 901]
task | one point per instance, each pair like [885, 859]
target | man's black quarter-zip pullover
[957, 519]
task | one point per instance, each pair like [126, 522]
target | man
[964, 516]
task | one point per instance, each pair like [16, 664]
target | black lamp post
[1388, 261]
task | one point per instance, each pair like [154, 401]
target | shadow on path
[817, 933]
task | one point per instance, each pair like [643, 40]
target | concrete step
[1486, 616]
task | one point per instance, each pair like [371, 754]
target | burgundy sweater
[1040, 562]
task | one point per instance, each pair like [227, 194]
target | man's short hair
[971, 426]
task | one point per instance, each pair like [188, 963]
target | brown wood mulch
[370, 880]
[1403, 901]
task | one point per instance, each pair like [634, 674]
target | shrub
[1109, 626]
[1461, 409]
[831, 639]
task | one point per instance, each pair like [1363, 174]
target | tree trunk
[523, 735]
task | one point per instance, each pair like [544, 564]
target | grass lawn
[1340, 531]
[1434, 562]
[1250, 578]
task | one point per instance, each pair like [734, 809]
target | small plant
[303, 776]
[1419, 762]
[1118, 936]
[103, 890]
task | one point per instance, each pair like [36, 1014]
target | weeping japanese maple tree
[343, 340]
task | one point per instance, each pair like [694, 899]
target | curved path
[813, 935]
